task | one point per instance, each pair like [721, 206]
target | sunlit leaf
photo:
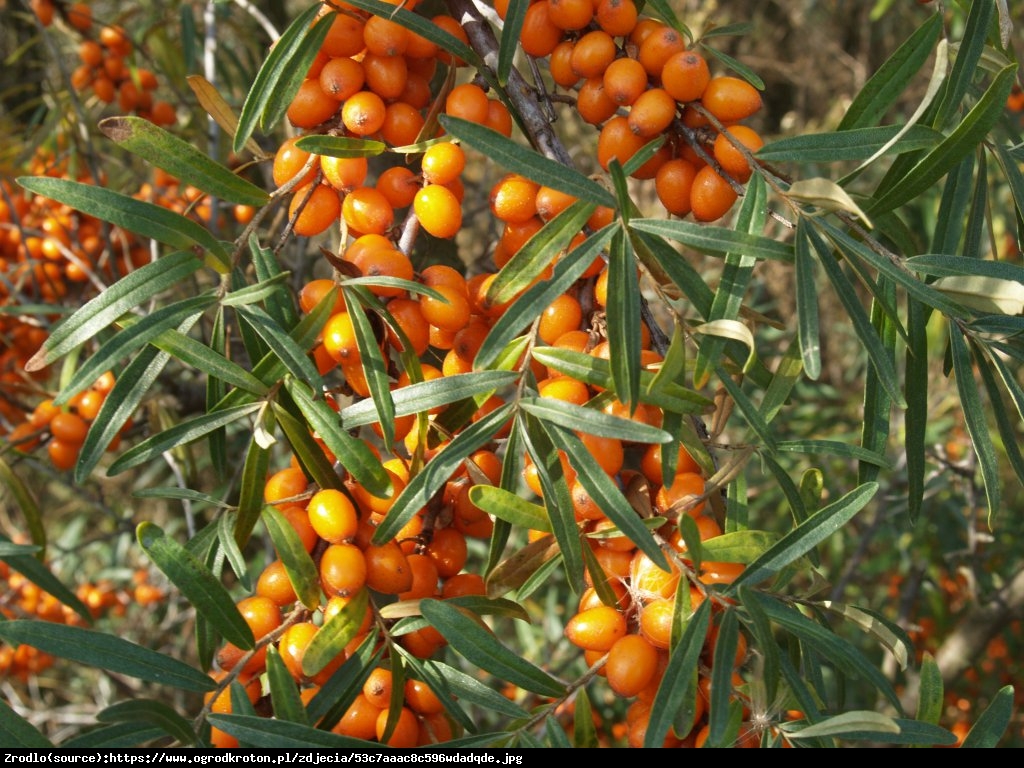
[479, 646]
[181, 159]
[302, 571]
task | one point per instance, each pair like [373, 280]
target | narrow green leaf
[741, 546]
[39, 574]
[844, 290]
[508, 41]
[284, 693]
[331, 639]
[334, 697]
[142, 218]
[206, 359]
[966, 63]
[584, 729]
[557, 501]
[425, 395]
[596, 371]
[887, 632]
[806, 536]
[302, 571]
[181, 159]
[976, 419]
[715, 241]
[203, 590]
[857, 720]
[114, 654]
[917, 375]
[991, 726]
[808, 326]
[98, 313]
[606, 494]
[422, 487]
[374, 370]
[847, 145]
[532, 165]
[1004, 420]
[931, 697]
[592, 421]
[26, 502]
[508, 506]
[680, 680]
[266, 733]
[137, 332]
[250, 497]
[524, 309]
[180, 434]
[114, 737]
[479, 646]
[17, 732]
[846, 657]
[748, 409]
[965, 138]
[911, 733]
[281, 73]
[354, 454]
[833, 448]
[340, 146]
[294, 357]
[890, 81]
[541, 250]
[623, 315]
[150, 712]
[133, 384]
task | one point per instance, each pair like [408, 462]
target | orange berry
[341, 77]
[289, 160]
[570, 15]
[673, 184]
[345, 37]
[442, 162]
[467, 101]
[658, 47]
[729, 156]
[593, 53]
[624, 80]
[438, 210]
[449, 551]
[343, 569]
[387, 569]
[333, 515]
[594, 103]
[617, 140]
[685, 75]
[363, 113]
[274, 584]
[652, 112]
[539, 34]
[617, 17]
[344, 173]
[367, 211]
[631, 665]
[311, 106]
[730, 99]
[711, 195]
[313, 209]
[596, 629]
[403, 123]
[562, 315]
[386, 76]
[514, 199]
[399, 186]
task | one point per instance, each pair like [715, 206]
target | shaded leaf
[203, 590]
[991, 726]
[17, 732]
[302, 571]
[137, 216]
[114, 654]
[150, 712]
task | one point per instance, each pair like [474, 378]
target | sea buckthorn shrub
[576, 476]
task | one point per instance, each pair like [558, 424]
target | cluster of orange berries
[426, 559]
[22, 599]
[372, 80]
[638, 79]
[104, 63]
[63, 429]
